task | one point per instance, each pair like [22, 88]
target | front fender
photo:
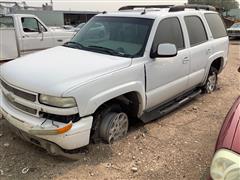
[93, 94]
[99, 99]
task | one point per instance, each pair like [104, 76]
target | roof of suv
[152, 13]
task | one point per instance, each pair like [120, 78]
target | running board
[165, 109]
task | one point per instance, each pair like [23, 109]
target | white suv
[135, 63]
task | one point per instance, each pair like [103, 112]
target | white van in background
[22, 34]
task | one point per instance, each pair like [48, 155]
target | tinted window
[236, 25]
[196, 30]
[216, 25]
[119, 36]
[169, 31]
[30, 25]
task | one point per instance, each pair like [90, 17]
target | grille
[24, 95]
[21, 107]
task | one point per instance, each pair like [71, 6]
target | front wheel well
[130, 103]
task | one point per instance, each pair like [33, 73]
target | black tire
[98, 117]
[113, 126]
[211, 83]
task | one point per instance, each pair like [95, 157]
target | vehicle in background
[78, 27]
[226, 161]
[56, 28]
[131, 64]
[22, 34]
[68, 27]
[234, 31]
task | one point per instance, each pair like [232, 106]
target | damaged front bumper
[67, 136]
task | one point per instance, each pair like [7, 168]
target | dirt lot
[178, 146]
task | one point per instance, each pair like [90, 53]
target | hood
[230, 133]
[55, 70]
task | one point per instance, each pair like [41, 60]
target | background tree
[226, 4]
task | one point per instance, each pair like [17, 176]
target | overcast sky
[96, 5]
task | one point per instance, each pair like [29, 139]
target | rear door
[200, 49]
[35, 35]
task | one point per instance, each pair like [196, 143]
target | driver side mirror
[165, 50]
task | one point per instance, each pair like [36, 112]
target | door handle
[185, 60]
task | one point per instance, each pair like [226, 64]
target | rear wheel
[211, 83]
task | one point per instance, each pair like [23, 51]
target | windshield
[119, 36]
[80, 25]
[236, 25]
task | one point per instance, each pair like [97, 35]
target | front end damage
[58, 130]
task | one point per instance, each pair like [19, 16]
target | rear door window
[196, 30]
[216, 25]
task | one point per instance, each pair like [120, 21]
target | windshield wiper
[108, 50]
[77, 44]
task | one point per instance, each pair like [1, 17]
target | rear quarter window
[216, 25]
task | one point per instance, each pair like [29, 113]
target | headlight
[61, 102]
[225, 165]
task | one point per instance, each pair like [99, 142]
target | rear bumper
[78, 136]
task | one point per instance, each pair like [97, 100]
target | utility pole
[222, 8]
[51, 3]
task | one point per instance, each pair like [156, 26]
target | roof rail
[144, 6]
[191, 6]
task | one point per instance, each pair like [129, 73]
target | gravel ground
[178, 146]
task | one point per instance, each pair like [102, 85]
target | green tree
[226, 4]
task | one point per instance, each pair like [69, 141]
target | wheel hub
[211, 85]
[119, 127]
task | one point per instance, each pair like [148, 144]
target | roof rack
[172, 8]
[144, 6]
[191, 6]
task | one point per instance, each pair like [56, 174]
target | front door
[35, 35]
[167, 77]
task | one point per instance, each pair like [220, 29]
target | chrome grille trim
[29, 107]
[19, 93]
[21, 107]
